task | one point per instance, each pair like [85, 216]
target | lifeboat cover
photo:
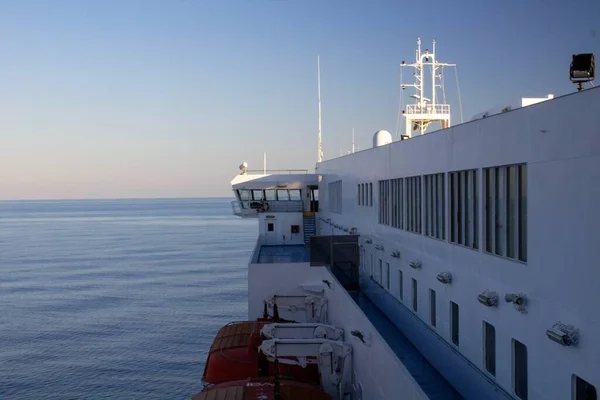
[263, 389]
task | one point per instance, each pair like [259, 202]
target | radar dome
[381, 138]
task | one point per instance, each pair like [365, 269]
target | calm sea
[116, 299]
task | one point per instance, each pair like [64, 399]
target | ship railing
[253, 207]
[276, 171]
[428, 109]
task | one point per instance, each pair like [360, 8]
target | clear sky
[149, 98]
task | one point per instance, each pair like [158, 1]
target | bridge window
[464, 214]
[283, 194]
[270, 195]
[295, 194]
[257, 194]
[244, 194]
[371, 194]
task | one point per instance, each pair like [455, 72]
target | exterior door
[270, 231]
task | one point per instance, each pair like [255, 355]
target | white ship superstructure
[459, 263]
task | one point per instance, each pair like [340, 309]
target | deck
[283, 254]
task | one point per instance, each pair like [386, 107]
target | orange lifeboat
[263, 389]
[234, 355]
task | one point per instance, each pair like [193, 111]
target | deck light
[583, 69]
[488, 299]
[415, 264]
[518, 299]
[445, 277]
[565, 335]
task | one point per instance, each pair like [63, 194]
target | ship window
[282, 194]
[371, 194]
[244, 194]
[257, 194]
[335, 197]
[435, 206]
[270, 195]
[583, 390]
[432, 310]
[414, 293]
[295, 194]
[454, 322]
[387, 276]
[520, 369]
[270, 227]
[400, 286]
[397, 201]
[489, 348]
[358, 193]
[505, 205]
[464, 214]
[380, 277]
[413, 204]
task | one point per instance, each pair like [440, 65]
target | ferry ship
[448, 264]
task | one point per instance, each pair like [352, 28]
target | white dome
[381, 138]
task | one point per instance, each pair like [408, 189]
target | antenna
[319, 140]
[425, 110]
[352, 140]
[265, 163]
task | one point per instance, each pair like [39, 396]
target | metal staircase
[309, 226]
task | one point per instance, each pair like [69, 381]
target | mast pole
[319, 141]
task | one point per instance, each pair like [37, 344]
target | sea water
[116, 299]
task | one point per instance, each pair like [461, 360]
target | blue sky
[148, 98]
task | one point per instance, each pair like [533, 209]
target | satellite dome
[381, 138]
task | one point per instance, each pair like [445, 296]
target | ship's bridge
[275, 191]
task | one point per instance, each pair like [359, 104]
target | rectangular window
[583, 390]
[362, 194]
[257, 194]
[384, 202]
[414, 293]
[400, 286]
[270, 227]
[432, 310]
[335, 196]
[397, 203]
[358, 194]
[435, 206]
[295, 194]
[464, 209]
[244, 194]
[454, 322]
[387, 276]
[380, 277]
[413, 204]
[270, 195]
[505, 208]
[489, 347]
[371, 194]
[283, 194]
[520, 369]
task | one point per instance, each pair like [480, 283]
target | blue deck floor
[432, 383]
[283, 254]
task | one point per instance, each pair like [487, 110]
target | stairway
[309, 227]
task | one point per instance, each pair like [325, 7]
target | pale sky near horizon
[157, 98]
